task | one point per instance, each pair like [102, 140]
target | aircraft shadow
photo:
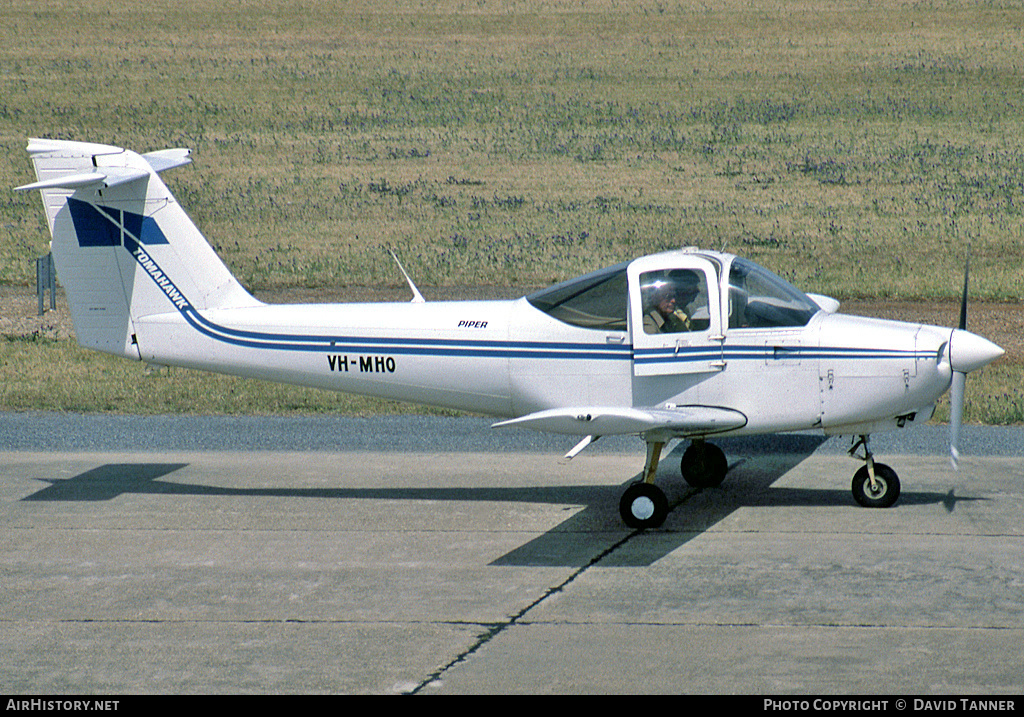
[109, 481]
[577, 541]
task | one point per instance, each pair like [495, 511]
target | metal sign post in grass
[46, 278]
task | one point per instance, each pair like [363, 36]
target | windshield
[595, 301]
[758, 298]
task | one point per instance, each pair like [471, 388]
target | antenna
[417, 297]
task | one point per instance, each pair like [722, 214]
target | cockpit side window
[595, 301]
[760, 299]
[674, 301]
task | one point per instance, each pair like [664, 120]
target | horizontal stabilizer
[64, 148]
[165, 159]
[70, 181]
[610, 421]
[102, 157]
[108, 177]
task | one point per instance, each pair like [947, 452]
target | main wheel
[643, 505]
[886, 490]
[704, 465]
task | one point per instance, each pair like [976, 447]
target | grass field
[857, 148]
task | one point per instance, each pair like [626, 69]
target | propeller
[967, 352]
[956, 392]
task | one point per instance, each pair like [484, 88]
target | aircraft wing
[610, 420]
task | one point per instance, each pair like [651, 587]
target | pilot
[668, 310]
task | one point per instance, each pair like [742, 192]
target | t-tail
[123, 246]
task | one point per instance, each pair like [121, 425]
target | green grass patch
[994, 396]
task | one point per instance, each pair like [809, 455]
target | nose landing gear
[875, 485]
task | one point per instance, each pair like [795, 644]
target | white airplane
[684, 344]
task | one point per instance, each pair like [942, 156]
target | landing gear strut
[875, 485]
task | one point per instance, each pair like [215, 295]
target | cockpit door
[675, 316]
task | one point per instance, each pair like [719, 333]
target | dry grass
[857, 147]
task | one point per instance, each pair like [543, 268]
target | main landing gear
[644, 505]
[875, 485]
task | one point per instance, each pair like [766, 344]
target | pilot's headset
[686, 285]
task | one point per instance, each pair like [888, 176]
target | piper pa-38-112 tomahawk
[685, 344]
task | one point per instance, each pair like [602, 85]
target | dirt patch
[19, 314]
[1001, 323]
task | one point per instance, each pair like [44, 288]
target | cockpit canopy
[755, 297]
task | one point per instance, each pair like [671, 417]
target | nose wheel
[875, 485]
[880, 493]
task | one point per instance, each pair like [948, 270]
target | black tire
[886, 491]
[643, 505]
[704, 465]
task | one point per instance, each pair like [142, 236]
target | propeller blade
[957, 390]
[963, 301]
[956, 416]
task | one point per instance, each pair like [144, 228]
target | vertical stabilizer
[123, 246]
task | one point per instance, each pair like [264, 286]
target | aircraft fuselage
[506, 358]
